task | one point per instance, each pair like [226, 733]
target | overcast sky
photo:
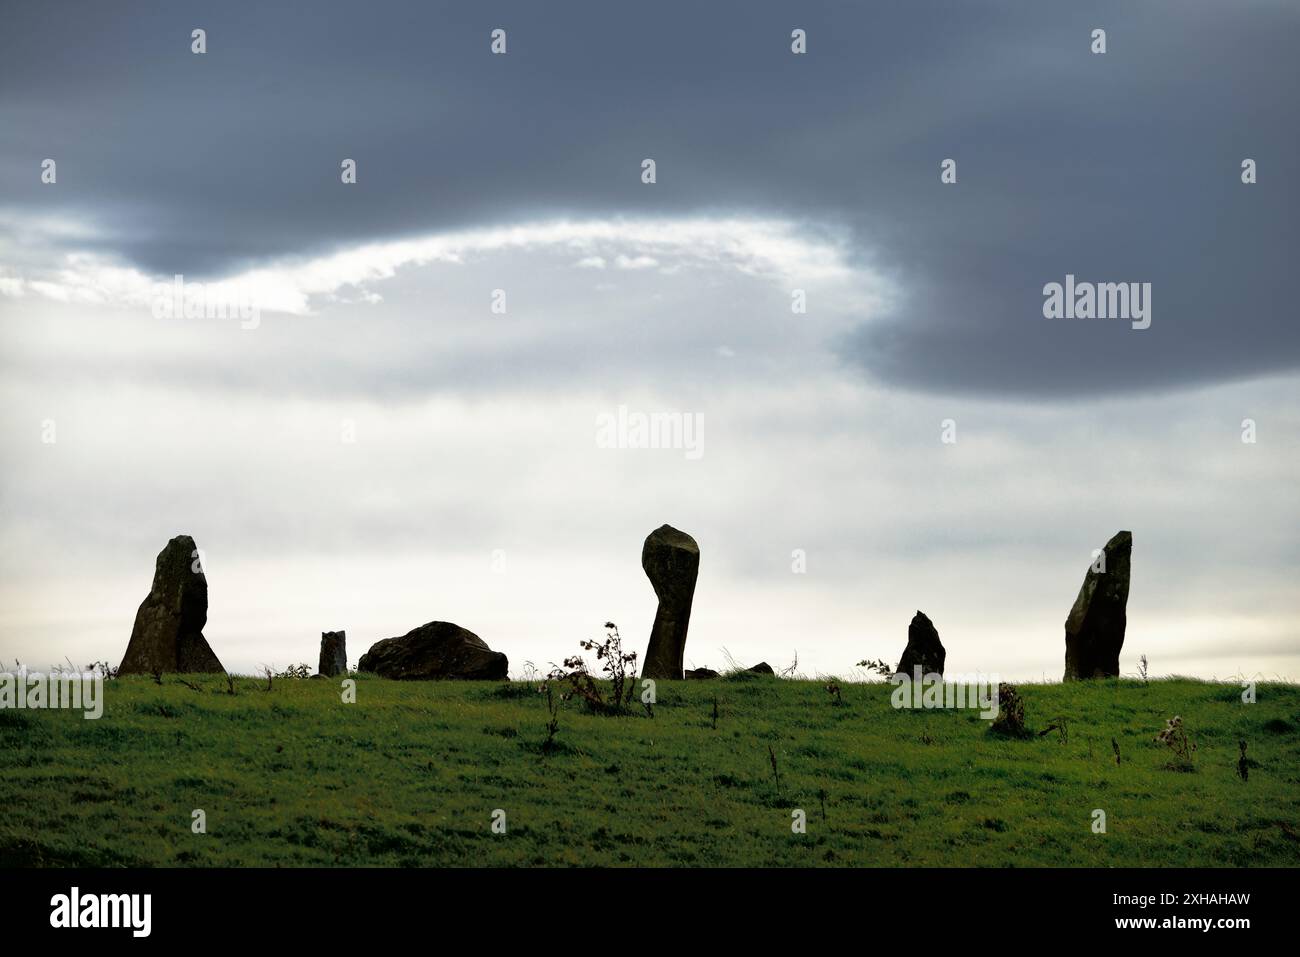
[383, 449]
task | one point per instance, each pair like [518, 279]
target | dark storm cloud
[1120, 167]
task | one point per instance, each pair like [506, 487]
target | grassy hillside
[411, 773]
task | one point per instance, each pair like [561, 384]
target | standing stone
[168, 631]
[671, 560]
[333, 653]
[1094, 631]
[923, 648]
[435, 651]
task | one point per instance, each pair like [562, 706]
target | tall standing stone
[671, 560]
[333, 653]
[1094, 631]
[168, 631]
[923, 648]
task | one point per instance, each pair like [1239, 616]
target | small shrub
[877, 666]
[792, 669]
[1010, 721]
[296, 672]
[103, 669]
[553, 723]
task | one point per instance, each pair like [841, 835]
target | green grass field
[411, 775]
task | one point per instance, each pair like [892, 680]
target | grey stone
[168, 631]
[923, 648]
[1094, 630]
[438, 650]
[333, 653]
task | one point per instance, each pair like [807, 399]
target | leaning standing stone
[671, 560]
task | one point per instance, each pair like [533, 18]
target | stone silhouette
[168, 631]
[671, 560]
[700, 674]
[923, 648]
[762, 668]
[438, 650]
[333, 653]
[1094, 630]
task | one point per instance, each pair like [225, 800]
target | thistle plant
[618, 667]
[1174, 736]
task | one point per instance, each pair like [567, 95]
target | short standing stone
[1094, 630]
[333, 653]
[923, 648]
[168, 631]
[671, 560]
[762, 668]
[433, 651]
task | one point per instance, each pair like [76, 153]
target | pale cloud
[774, 250]
[636, 262]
